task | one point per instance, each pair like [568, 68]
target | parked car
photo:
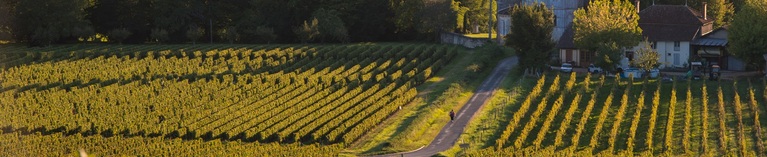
[566, 67]
[594, 69]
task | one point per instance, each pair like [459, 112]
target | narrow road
[450, 133]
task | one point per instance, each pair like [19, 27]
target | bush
[265, 34]
[119, 35]
[159, 35]
[83, 32]
[195, 33]
[331, 27]
[229, 34]
[307, 32]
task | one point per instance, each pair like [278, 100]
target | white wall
[667, 53]
[563, 10]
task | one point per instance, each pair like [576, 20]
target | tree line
[44, 22]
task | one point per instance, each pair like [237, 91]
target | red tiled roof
[671, 22]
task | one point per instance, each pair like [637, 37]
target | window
[677, 45]
[654, 43]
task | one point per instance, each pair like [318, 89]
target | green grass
[418, 123]
[482, 143]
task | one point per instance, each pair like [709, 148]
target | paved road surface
[450, 133]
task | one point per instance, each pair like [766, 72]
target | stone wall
[460, 39]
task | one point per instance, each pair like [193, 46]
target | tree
[43, 22]
[307, 32]
[82, 33]
[159, 35]
[477, 13]
[265, 34]
[195, 33]
[435, 17]
[229, 34]
[646, 57]
[119, 34]
[722, 11]
[7, 10]
[605, 28]
[331, 27]
[747, 33]
[530, 34]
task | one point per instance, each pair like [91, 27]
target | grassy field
[250, 100]
[544, 117]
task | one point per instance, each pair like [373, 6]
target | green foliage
[477, 12]
[746, 39]
[722, 11]
[460, 15]
[437, 16]
[668, 146]
[195, 33]
[159, 35]
[229, 34]
[646, 57]
[330, 26]
[605, 28]
[43, 22]
[308, 31]
[83, 32]
[265, 34]
[722, 118]
[119, 35]
[530, 34]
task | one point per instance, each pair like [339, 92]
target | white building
[563, 14]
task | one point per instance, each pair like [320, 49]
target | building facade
[563, 14]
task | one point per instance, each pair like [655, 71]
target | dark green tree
[747, 34]
[43, 22]
[331, 27]
[159, 35]
[530, 34]
[308, 31]
[229, 34]
[194, 33]
[478, 13]
[266, 34]
[119, 35]
[435, 17]
[7, 15]
[606, 28]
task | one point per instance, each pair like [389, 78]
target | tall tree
[722, 11]
[747, 33]
[530, 34]
[435, 16]
[605, 28]
[331, 27]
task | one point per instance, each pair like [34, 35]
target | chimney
[637, 5]
[705, 11]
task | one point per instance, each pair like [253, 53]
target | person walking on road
[452, 115]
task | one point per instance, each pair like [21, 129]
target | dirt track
[450, 133]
